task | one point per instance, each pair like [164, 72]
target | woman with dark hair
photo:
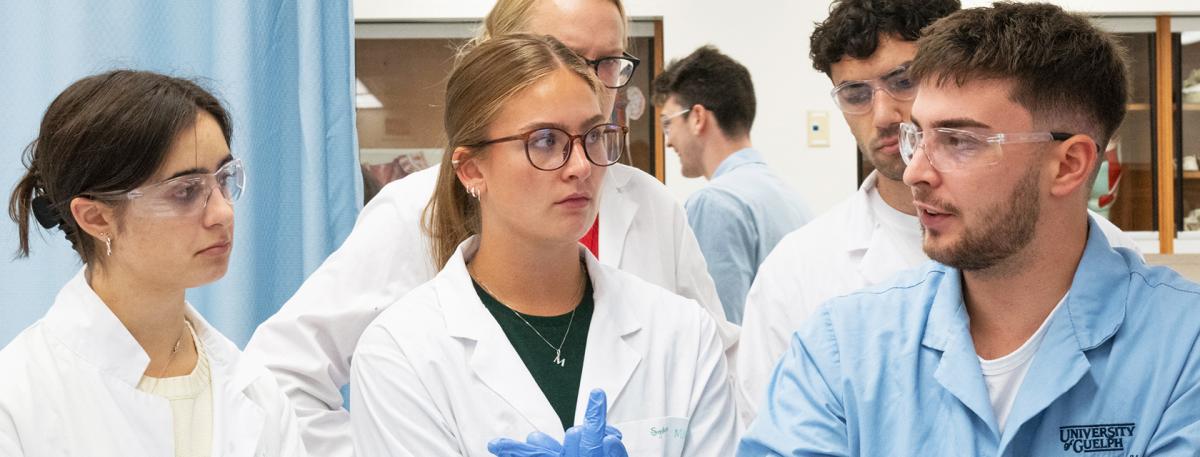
[135, 169]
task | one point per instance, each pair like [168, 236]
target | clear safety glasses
[549, 148]
[666, 119]
[858, 96]
[184, 195]
[949, 149]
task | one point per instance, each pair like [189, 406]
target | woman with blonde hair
[641, 229]
[522, 321]
[135, 169]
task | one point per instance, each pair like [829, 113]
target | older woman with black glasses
[522, 321]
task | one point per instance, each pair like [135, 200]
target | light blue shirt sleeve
[724, 227]
[803, 414]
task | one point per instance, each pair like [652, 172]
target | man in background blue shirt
[707, 101]
[1029, 335]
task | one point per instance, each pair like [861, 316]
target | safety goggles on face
[666, 120]
[614, 71]
[858, 96]
[549, 148]
[949, 149]
[184, 195]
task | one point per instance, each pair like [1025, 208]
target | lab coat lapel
[610, 358]
[87, 327]
[1093, 311]
[616, 215]
[864, 238]
[1057, 367]
[146, 419]
[881, 260]
[237, 419]
[947, 331]
[492, 357]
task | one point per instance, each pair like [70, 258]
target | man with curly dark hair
[865, 47]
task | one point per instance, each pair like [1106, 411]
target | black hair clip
[45, 213]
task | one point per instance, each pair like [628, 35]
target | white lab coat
[841, 251]
[435, 374]
[308, 344]
[68, 387]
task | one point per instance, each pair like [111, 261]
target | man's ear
[1075, 161]
[467, 167]
[94, 217]
[699, 119]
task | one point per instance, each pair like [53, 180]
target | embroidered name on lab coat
[1095, 438]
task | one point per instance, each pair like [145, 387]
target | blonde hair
[484, 80]
[513, 16]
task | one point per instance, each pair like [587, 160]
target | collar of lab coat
[866, 238]
[86, 326]
[616, 212]
[609, 359]
[81, 320]
[1095, 306]
[1093, 311]
[861, 228]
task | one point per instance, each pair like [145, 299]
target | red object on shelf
[1114, 176]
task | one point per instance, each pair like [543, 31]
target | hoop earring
[108, 244]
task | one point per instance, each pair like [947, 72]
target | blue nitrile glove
[593, 438]
[538, 444]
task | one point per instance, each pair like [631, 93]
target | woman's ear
[94, 217]
[467, 167]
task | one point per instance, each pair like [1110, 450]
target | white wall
[770, 37]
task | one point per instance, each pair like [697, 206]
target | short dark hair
[714, 80]
[854, 27]
[107, 132]
[1069, 74]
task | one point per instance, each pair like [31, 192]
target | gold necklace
[186, 329]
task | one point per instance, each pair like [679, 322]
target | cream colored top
[191, 404]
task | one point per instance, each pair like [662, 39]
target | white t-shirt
[1005, 374]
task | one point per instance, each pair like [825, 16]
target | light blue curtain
[284, 70]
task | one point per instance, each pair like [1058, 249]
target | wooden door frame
[1165, 118]
[660, 165]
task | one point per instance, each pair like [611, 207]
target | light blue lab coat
[891, 370]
